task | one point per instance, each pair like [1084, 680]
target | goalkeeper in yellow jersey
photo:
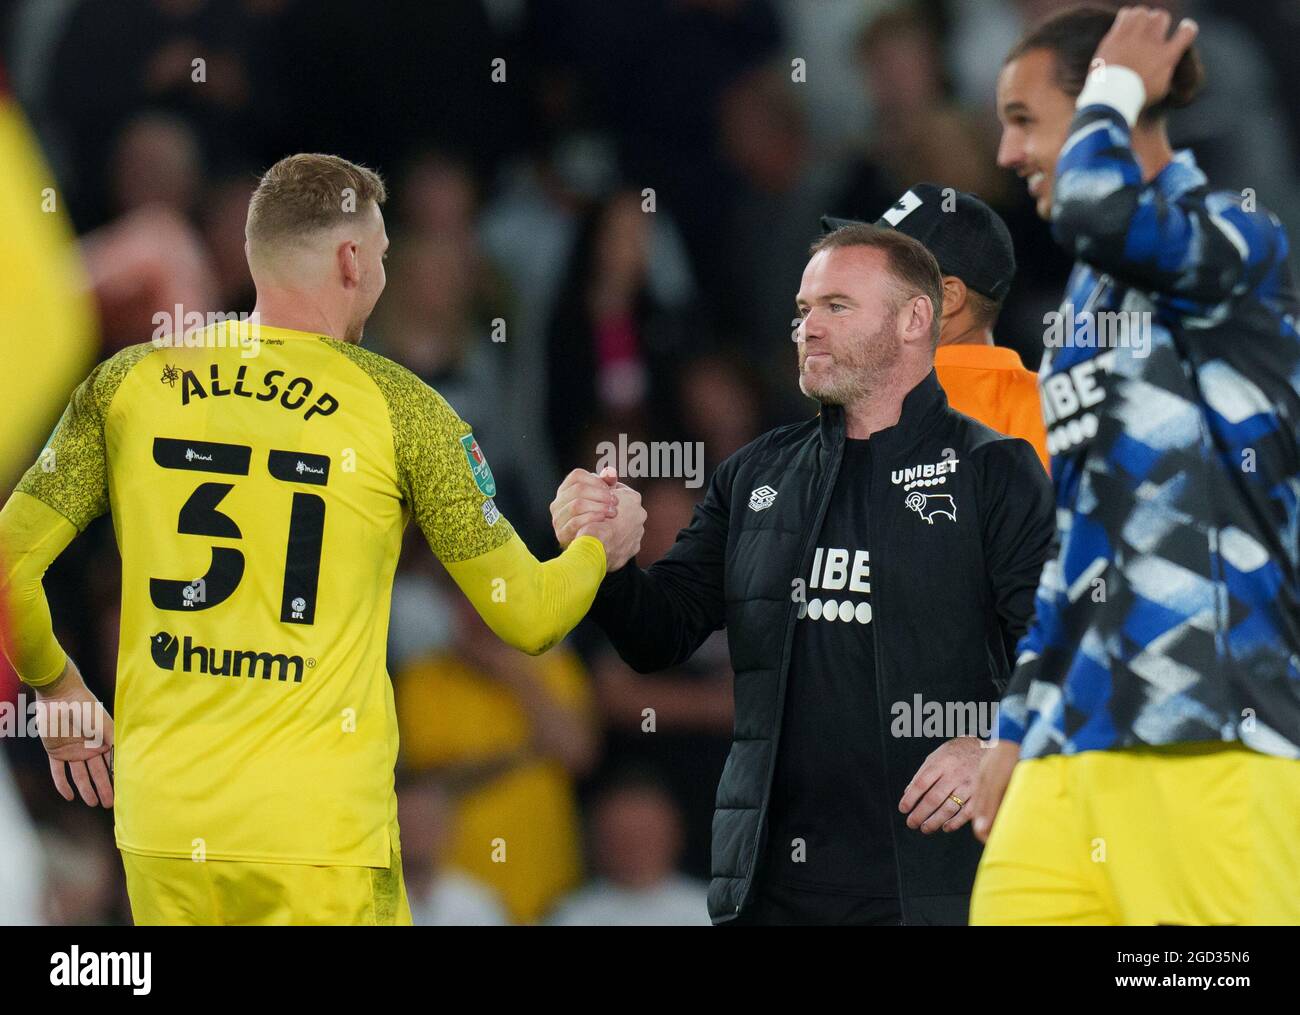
[259, 476]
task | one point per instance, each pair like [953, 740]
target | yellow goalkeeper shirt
[258, 492]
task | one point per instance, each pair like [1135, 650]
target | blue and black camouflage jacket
[1169, 610]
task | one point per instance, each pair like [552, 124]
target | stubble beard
[357, 327]
[857, 378]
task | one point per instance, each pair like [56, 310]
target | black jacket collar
[922, 406]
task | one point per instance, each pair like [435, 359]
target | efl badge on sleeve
[478, 466]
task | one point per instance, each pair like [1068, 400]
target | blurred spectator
[654, 70]
[981, 33]
[780, 193]
[439, 195]
[198, 59]
[438, 319]
[635, 832]
[439, 895]
[721, 406]
[429, 321]
[142, 264]
[823, 35]
[506, 734]
[532, 231]
[156, 161]
[612, 341]
[225, 208]
[528, 231]
[922, 133]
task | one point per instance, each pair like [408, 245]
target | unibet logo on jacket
[843, 575]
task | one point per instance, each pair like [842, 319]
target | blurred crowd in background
[599, 212]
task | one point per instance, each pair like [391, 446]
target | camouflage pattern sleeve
[1206, 246]
[443, 475]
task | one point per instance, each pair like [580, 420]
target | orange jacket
[989, 383]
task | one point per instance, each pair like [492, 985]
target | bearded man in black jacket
[874, 568]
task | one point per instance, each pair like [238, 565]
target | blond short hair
[304, 194]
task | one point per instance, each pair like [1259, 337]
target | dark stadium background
[523, 201]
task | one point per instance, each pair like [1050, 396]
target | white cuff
[1114, 86]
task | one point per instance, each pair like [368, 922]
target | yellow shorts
[169, 891]
[1188, 834]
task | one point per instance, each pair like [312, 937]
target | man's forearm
[649, 626]
[32, 535]
[528, 604]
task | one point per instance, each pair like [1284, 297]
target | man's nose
[814, 325]
[1011, 152]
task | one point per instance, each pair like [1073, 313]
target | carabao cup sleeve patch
[478, 466]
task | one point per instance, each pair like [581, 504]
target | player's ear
[954, 296]
[349, 267]
[918, 312]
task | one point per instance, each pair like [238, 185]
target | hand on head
[1141, 41]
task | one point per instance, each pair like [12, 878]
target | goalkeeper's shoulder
[105, 379]
[402, 390]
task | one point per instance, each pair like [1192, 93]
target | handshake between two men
[599, 505]
[591, 504]
[656, 618]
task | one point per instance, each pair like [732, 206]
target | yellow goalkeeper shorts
[1188, 834]
[170, 891]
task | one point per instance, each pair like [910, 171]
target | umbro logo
[761, 499]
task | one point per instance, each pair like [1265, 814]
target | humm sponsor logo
[195, 658]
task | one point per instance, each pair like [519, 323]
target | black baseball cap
[966, 236]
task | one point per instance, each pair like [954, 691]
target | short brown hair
[1072, 36]
[984, 310]
[307, 193]
[915, 271]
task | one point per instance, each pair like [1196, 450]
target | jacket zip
[805, 561]
[880, 699]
